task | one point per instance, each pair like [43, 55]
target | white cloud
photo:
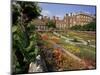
[60, 16]
[46, 13]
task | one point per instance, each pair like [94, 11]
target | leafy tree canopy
[51, 24]
[29, 10]
[89, 27]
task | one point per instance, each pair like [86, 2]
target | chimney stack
[41, 17]
[45, 17]
[71, 14]
[66, 14]
[57, 18]
[64, 19]
[54, 18]
[48, 18]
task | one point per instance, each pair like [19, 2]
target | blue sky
[60, 10]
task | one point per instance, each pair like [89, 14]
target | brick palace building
[68, 21]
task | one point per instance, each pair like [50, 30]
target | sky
[51, 9]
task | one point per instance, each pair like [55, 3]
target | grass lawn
[83, 51]
[81, 35]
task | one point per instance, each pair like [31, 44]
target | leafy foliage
[51, 24]
[28, 10]
[89, 27]
[24, 38]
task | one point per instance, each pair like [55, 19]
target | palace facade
[68, 21]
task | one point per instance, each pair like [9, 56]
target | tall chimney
[66, 14]
[57, 18]
[45, 17]
[48, 18]
[41, 17]
[70, 14]
[54, 18]
[64, 19]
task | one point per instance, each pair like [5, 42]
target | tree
[88, 27]
[27, 10]
[51, 25]
[24, 41]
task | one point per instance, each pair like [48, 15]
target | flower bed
[56, 60]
